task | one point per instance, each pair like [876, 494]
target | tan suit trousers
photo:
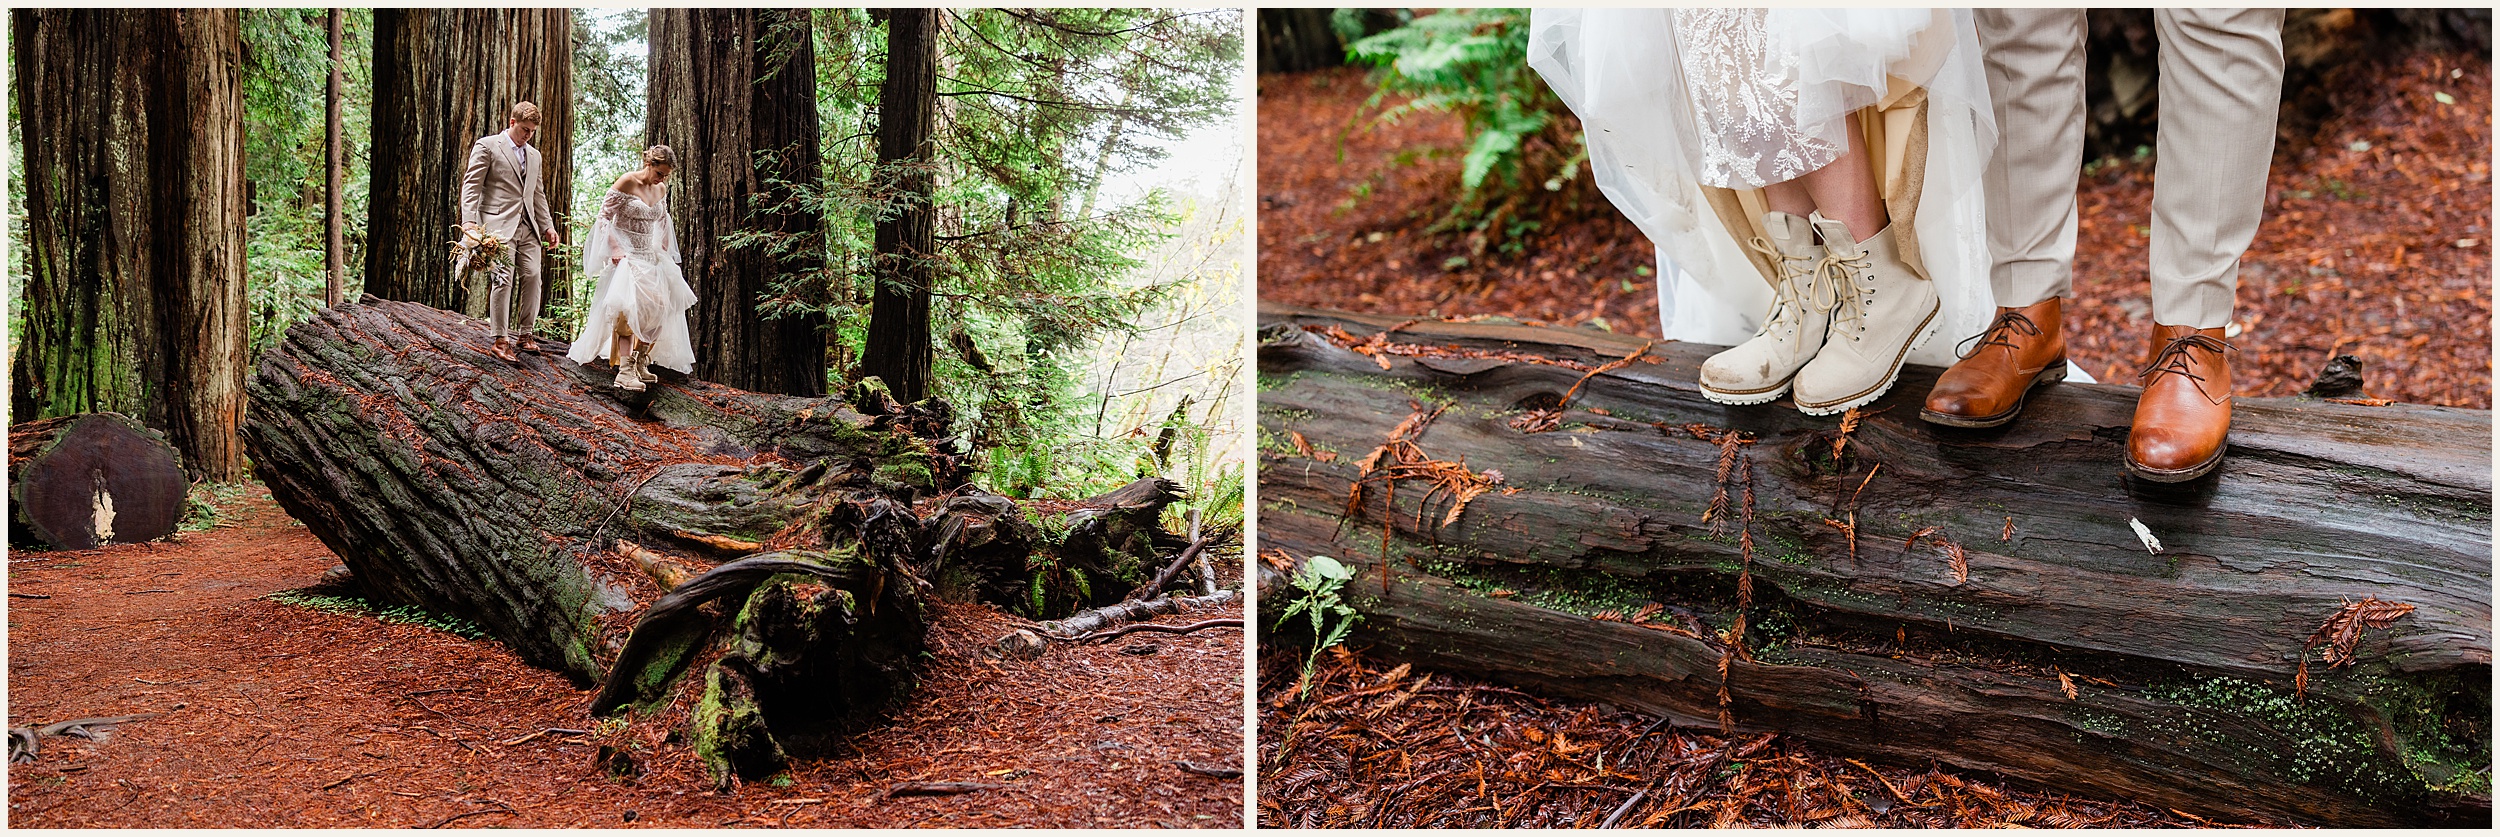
[2221, 85]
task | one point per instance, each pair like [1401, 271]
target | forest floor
[2374, 242]
[1368, 746]
[271, 714]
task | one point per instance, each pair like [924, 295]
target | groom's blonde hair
[523, 112]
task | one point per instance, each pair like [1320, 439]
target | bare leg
[1789, 196]
[621, 343]
[1845, 191]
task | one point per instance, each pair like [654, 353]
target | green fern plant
[1319, 584]
[1473, 63]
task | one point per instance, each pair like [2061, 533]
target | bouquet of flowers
[475, 249]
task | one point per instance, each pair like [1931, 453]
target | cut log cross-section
[496, 492]
[1979, 598]
[82, 481]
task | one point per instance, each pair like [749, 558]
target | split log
[82, 481]
[2056, 648]
[494, 492]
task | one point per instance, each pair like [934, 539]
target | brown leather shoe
[502, 350]
[2183, 419]
[526, 342]
[2024, 349]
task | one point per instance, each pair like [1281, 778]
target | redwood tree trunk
[898, 349]
[441, 79]
[133, 127]
[2058, 648]
[733, 92]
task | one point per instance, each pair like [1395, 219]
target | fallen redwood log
[499, 493]
[86, 480]
[2058, 648]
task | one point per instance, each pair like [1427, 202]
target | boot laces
[1787, 304]
[2173, 360]
[1839, 272]
[1999, 333]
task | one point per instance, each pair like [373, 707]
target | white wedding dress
[1675, 100]
[633, 253]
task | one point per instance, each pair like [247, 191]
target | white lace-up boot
[1759, 369]
[642, 364]
[1880, 310]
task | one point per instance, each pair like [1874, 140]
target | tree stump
[83, 481]
[1980, 598]
[525, 499]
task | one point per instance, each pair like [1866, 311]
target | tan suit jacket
[500, 193]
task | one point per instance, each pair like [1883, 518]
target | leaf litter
[1455, 752]
[283, 716]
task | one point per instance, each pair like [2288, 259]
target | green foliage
[1038, 263]
[1317, 585]
[1473, 63]
[354, 606]
[208, 505]
[286, 73]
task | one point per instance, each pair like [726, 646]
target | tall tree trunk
[441, 79]
[733, 92]
[898, 321]
[134, 198]
[334, 237]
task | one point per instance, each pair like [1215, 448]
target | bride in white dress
[1810, 178]
[637, 316]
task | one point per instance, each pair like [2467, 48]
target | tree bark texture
[2058, 649]
[733, 92]
[496, 492]
[334, 160]
[83, 481]
[442, 78]
[898, 346]
[133, 127]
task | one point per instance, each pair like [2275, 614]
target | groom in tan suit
[2221, 82]
[503, 192]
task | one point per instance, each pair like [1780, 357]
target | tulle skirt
[1676, 100]
[651, 297]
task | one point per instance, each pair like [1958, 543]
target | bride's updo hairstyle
[659, 155]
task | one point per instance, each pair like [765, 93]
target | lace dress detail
[633, 253]
[1744, 100]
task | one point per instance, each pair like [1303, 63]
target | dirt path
[279, 715]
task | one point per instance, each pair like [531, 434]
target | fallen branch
[937, 788]
[499, 809]
[1170, 573]
[1160, 629]
[1125, 612]
[1203, 770]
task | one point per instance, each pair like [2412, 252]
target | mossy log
[2059, 649]
[499, 493]
[86, 480]
[1044, 559]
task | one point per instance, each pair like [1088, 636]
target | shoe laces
[1787, 304]
[2173, 360]
[1999, 333]
[1836, 273]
